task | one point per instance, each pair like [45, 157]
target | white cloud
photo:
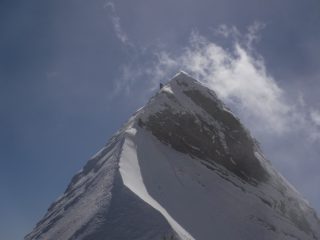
[227, 32]
[120, 33]
[315, 116]
[253, 35]
[238, 75]
[239, 79]
[248, 40]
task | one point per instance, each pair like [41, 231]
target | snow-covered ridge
[131, 175]
[182, 167]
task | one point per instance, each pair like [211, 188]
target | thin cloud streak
[120, 33]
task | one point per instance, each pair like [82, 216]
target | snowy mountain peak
[183, 76]
[183, 167]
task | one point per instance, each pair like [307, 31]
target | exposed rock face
[183, 167]
[217, 138]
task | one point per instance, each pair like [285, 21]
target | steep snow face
[88, 194]
[132, 178]
[189, 118]
[98, 205]
[209, 203]
[183, 167]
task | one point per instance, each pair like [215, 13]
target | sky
[73, 71]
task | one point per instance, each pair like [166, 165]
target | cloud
[248, 40]
[120, 33]
[315, 116]
[237, 74]
[253, 34]
[125, 84]
[314, 133]
[238, 77]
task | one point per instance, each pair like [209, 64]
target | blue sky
[73, 71]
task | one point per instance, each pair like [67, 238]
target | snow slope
[183, 167]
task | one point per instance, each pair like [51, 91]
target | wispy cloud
[237, 74]
[315, 116]
[120, 33]
[248, 39]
